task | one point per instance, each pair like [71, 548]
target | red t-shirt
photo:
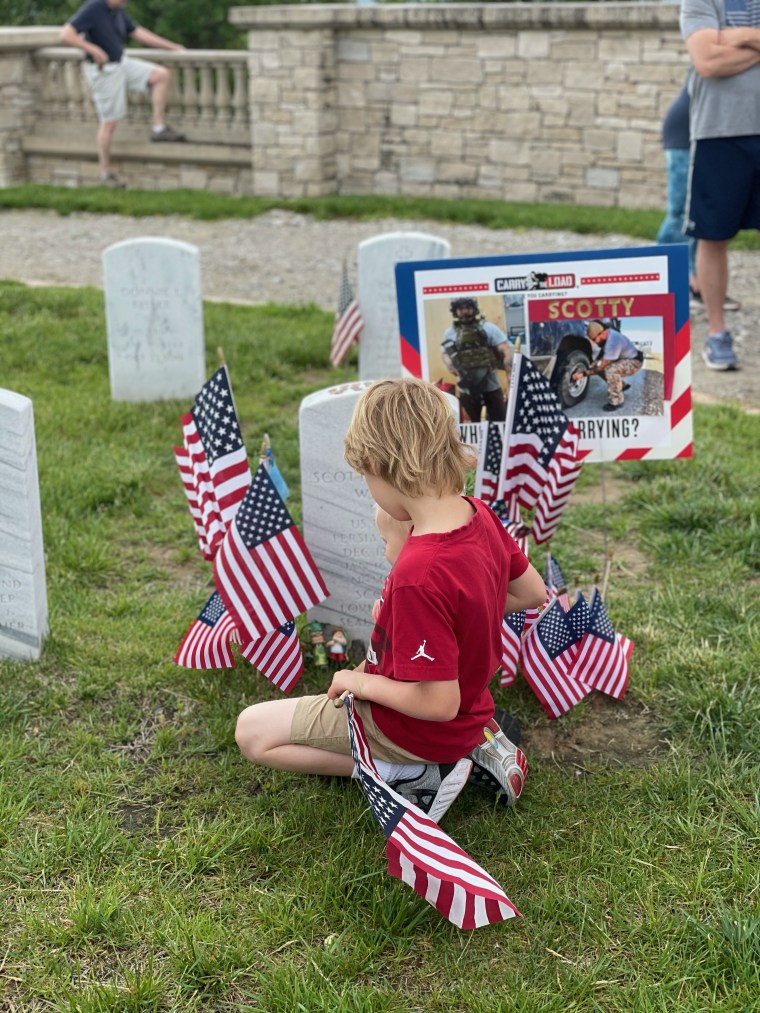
[440, 619]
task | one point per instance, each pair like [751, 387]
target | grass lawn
[145, 866]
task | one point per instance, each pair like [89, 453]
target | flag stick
[607, 568]
[220, 355]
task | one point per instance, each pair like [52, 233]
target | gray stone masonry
[529, 102]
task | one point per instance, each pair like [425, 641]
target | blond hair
[403, 431]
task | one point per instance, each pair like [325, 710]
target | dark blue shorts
[724, 187]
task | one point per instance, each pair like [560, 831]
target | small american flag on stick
[602, 659]
[278, 656]
[216, 456]
[420, 854]
[489, 463]
[263, 569]
[348, 321]
[206, 643]
[546, 660]
[511, 632]
[541, 459]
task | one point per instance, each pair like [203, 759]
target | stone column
[291, 74]
[18, 95]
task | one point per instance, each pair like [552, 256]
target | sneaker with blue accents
[719, 351]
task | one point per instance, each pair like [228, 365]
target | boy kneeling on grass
[422, 692]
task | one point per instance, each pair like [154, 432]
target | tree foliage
[197, 24]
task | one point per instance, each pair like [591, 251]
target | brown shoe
[113, 181]
[167, 136]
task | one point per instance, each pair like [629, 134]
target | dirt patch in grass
[612, 732]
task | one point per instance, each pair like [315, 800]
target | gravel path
[285, 257]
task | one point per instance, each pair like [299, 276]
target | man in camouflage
[473, 349]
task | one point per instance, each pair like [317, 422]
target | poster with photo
[609, 330]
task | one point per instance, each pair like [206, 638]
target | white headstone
[154, 318]
[379, 349]
[23, 594]
[339, 513]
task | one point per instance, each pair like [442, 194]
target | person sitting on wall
[618, 357]
[99, 28]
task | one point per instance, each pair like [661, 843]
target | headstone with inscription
[23, 594]
[339, 513]
[154, 318]
[379, 350]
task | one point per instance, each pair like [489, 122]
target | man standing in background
[723, 40]
[99, 28]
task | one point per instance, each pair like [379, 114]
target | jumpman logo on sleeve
[421, 652]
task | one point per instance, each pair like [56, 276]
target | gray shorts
[319, 723]
[109, 85]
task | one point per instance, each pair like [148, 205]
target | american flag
[206, 643]
[602, 660]
[348, 321]
[212, 438]
[577, 617]
[555, 583]
[188, 484]
[541, 458]
[546, 660]
[263, 569]
[511, 629]
[512, 523]
[420, 854]
[489, 462]
[278, 656]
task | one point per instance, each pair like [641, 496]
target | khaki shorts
[319, 723]
[109, 85]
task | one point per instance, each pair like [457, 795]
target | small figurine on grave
[337, 645]
[317, 640]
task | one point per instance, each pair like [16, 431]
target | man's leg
[712, 270]
[158, 82]
[496, 409]
[104, 137]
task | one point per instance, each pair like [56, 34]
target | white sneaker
[436, 787]
[499, 765]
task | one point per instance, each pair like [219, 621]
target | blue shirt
[104, 26]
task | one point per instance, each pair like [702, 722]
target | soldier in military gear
[473, 349]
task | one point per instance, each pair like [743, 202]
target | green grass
[144, 866]
[491, 214]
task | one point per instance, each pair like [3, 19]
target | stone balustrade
[537, 102]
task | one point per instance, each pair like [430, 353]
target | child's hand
[345, 681]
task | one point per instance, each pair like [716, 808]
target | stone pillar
[18, 95]
[291, 74]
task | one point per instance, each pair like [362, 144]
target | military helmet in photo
[458, 304]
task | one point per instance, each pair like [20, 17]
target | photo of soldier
[618, 357]
[473, 349]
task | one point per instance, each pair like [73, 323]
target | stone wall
[529, 102]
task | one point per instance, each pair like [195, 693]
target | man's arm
[153, 41]
[71, 37]
[430, 701]
[724, 53]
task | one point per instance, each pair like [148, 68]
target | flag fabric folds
[348, 321]
[420, 854]
[263, 569]
[547, 658]
[217, 458]
[277, 656]
[512, 524]
[206, 643]
[541, 459]
[511, 631]
[184, 464]
[554, 582]
[489, 463]
[602, 658]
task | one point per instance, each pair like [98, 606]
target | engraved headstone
[154, 318]
[379, 349]
[23, 594]
[339, 512]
